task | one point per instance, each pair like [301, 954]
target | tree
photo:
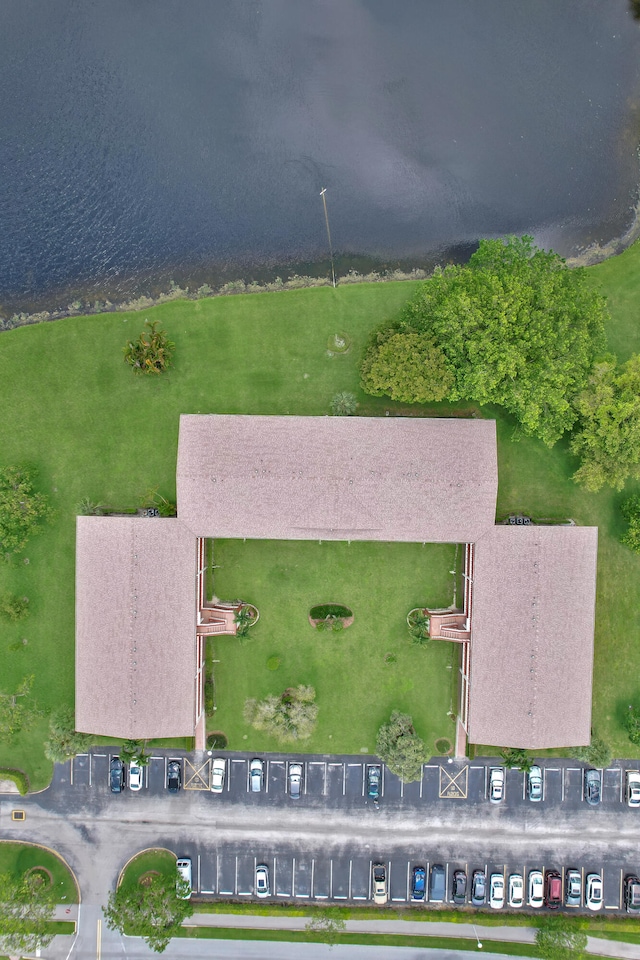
[134, 750]
[630, 510]
[597, 754]
[151, 910]
[558, 938]
[152, 352]
[400, 747]
[21, 508]
[406, 366]
[327, 923]
[17, 710]
[516, 327]
[64, 741]
[608, 439]
[26, 908]
[291, 716]
[344, 404]
[14, 608]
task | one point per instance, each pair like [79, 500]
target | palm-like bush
[244, 618]
[344, 404]
[152, 352]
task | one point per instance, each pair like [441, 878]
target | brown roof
[337, 478]
[532, 636]
[135, 627]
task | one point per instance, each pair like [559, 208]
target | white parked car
[516, 890]
[218, 771]
[184, 887]
[262, 881]
[496, 784]
[633, 788]
[536, 889]
[496, 891]
[135, 776]
[256, 775]
[593, 891]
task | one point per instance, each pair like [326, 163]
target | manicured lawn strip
[373, 939]
[160, 861]
[17, 858]
[620, 937]
[357, 688]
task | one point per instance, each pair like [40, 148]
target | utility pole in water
[326, 220]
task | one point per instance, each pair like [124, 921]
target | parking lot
[338, 781]
[225, 873]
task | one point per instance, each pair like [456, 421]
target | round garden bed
[330, 614]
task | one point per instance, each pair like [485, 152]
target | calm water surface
[147, 139]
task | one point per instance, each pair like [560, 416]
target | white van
[184, 869]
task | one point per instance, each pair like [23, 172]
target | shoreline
[589, 256]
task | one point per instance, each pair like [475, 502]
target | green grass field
[356, 686]
[18, 858]
[149, 861]
[75, 411]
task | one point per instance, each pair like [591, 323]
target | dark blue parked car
[418, 883]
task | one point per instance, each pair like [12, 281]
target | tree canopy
[406, 366]
[26, 909]
[400, 747]
[151, 910]
[21, 509]
[64, 741]
[516, 328]
[608, 440]
[18, 711]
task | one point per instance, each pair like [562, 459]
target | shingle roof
[337, 478]
[532, 636]
[135, 627]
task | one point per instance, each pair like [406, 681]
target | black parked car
[116, 775]
[174, 776]
[592, 787]
[478, 888]
[459, 889]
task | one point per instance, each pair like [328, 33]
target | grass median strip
[17, 859]
[385, 940]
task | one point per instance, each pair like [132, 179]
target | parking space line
[217, 871]
[331, 878]
[401, 788]
[524, 784]
[446, 882]
[350, 872]
[344, 779]
[71, 770]
[198, 887]
[486, 775]
[363, 775]
[266, 785]
[421, 782]
[293, 878]
[89, 755]
[621, 886]
[408, 877]
[426, 884]
[235, 885]
[313, 866]
[370, 869]
[382, 782]
[563, 792]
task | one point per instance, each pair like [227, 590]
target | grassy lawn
[18, 858]
[75, 412]
[356, 686]
[156, 861]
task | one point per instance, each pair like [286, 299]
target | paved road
[323, 844]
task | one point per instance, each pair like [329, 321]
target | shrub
[21, 509]
[64, 741]
[633, 725]
[630, 510]
[273, 663]
[291, 716]
[16, 776]
[152, 352]
[217, 741]
[344, 404]
[323, 610]
[208, 695]
[598, 753]
[516, 757]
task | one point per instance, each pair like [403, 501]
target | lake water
[148, 139]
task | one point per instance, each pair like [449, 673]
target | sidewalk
[431, 928]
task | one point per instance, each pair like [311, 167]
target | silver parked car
[295, 780]
[534, 784]
[256, 775]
